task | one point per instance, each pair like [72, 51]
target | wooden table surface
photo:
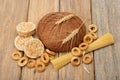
[104, 13]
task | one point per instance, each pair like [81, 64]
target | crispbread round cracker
[61, 31]
[19, 42]
[25, 28]
[33, 48]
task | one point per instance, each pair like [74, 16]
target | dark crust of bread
[52, 34]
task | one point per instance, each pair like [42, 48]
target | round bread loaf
[61, 31]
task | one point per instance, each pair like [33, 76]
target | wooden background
[104, 13]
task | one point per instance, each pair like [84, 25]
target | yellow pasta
[61, 61]
[103, 41]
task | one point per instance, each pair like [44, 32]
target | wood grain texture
[82, 9]
[106, 14]
[11, 13]
[37, 9]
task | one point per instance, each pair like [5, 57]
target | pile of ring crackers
[30, 51]
[78, 52]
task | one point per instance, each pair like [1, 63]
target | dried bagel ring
[40, 67]
[76, 52]
[87, 59]
[75, 61]
[25, 28]
[50, 52]
[19, 42]
[31, 63]
[83, 46]
[16, 55]
[51, 57]
[93, 35]
[33, 48]
[93, 28]
[45, 58]
[88, 39]
[23, 61]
